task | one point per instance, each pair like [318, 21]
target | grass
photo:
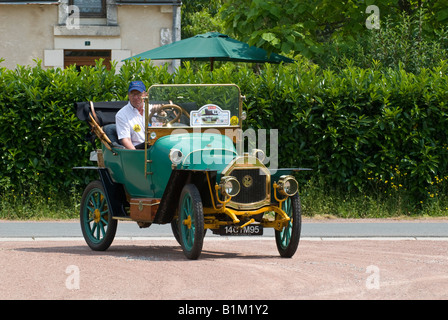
[36, 207]
[317, 201]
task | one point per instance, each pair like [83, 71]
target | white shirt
[130, 124]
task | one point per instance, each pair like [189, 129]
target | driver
[130, 120]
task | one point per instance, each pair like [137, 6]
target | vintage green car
[193, 173]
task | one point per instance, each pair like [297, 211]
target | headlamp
[176, 156]
[230, 186]
[288, 185]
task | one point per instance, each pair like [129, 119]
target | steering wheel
[171, 107]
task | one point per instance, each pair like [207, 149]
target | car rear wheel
[97, 225]
[288, 239]
[191, 222]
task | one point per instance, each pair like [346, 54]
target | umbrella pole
[212, 60]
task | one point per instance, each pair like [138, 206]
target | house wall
[43, 32]
[26, 30]
[141, 26]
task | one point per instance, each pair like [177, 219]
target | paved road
[310, 229]
[336, 260]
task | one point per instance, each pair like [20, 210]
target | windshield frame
[203, 126]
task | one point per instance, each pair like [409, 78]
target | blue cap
[137, 85]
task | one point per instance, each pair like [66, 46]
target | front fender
[178, 179]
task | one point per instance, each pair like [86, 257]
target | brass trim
[240, 100]
[123, 218]
[210, 189]
[146, 100]
[211, 222]
[247, 181]
[141, 204]
[249, 162]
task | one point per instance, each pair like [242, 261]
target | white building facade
[65, 32]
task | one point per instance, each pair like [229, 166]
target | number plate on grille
[249, 230]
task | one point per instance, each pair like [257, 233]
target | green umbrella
[213, 46]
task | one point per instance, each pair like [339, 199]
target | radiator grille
[250, 192]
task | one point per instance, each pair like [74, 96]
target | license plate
[249, 230]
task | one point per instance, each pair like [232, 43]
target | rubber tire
[94, 197]
[288, 239]
[190, 205]
[175, 229]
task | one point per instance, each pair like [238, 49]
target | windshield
[200, 106]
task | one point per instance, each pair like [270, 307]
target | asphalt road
[336, 259]
[311, 228]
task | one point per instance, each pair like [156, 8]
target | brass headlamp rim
[226, 179]
[281, 185]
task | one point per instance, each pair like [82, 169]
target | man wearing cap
[130, 120]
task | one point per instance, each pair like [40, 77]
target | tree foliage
[200, 16]
[305, 27]
[397, 44]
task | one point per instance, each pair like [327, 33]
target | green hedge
[381, 131]
[362, 129]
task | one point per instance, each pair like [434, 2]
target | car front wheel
[191, 222]
[288, 239]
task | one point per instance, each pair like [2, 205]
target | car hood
[200, 151]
